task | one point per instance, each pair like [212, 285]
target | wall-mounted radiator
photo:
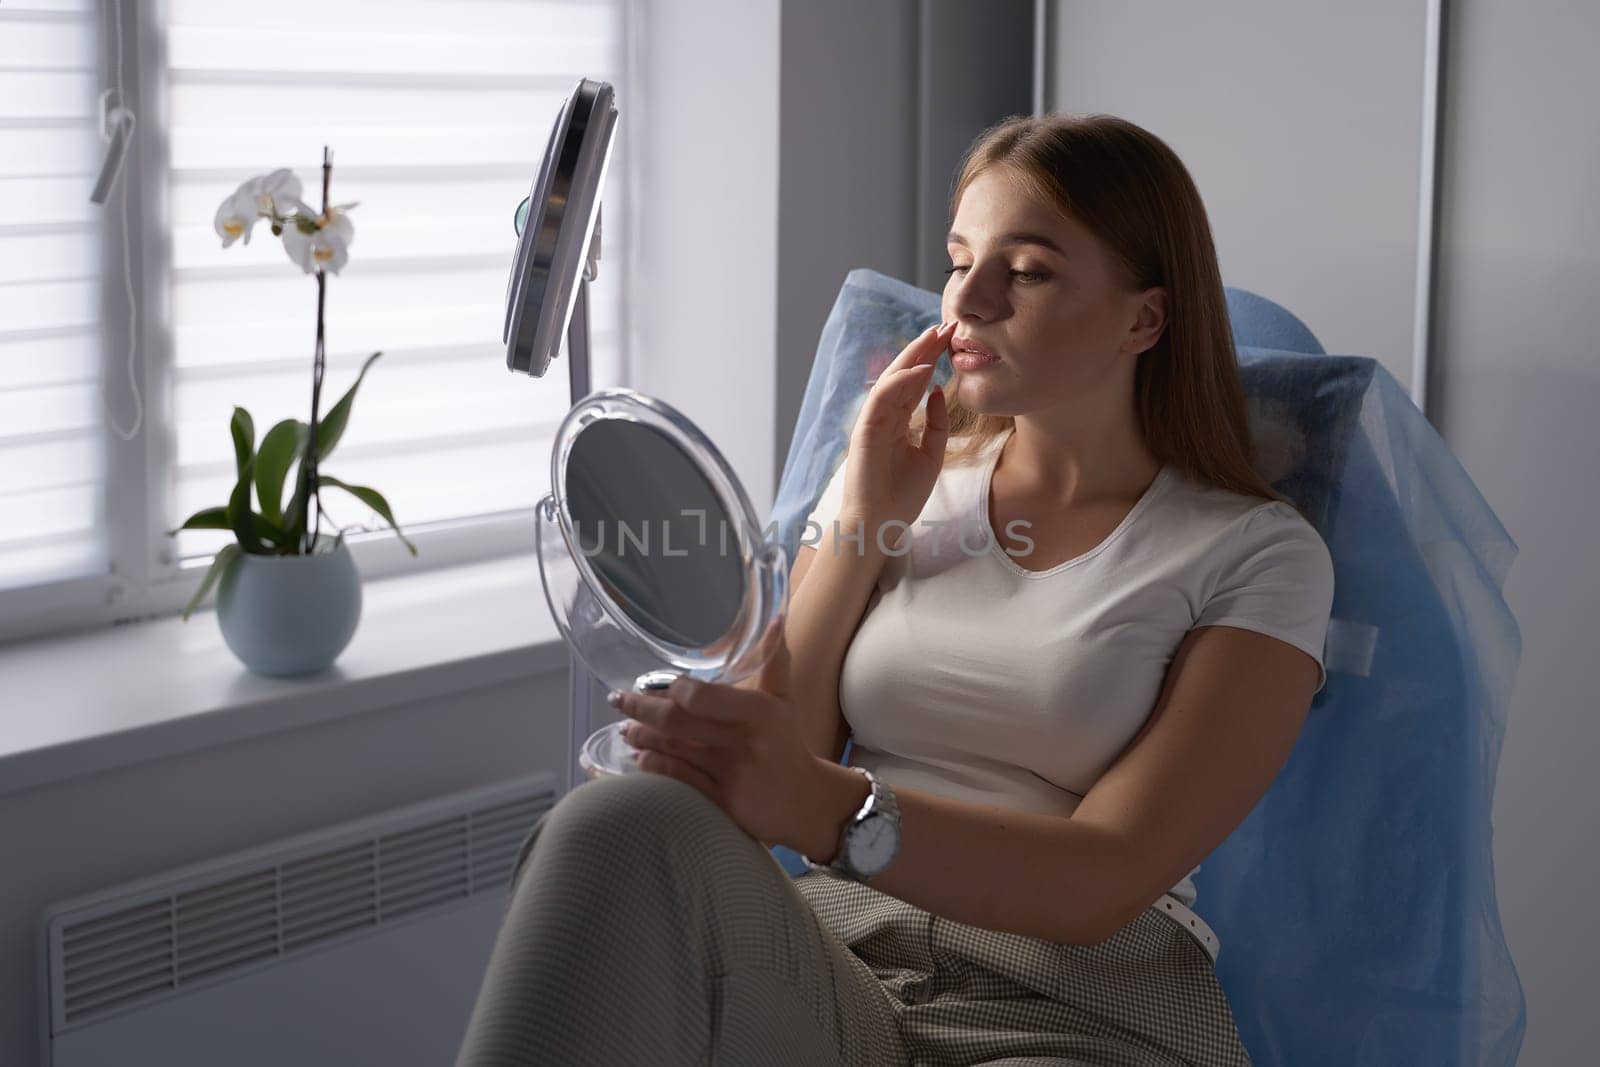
[364, 943]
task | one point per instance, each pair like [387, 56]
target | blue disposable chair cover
[1356, 903]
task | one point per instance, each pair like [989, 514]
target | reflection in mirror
[655, 532]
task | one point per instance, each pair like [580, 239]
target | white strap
[1349, 647]
[1192, 924]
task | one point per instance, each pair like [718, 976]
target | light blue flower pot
[289, 615]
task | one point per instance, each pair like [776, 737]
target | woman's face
[1038, 290]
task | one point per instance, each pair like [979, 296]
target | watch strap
[880, 802]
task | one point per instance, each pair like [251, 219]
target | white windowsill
[83, 703]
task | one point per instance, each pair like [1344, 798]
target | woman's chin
[977, 396]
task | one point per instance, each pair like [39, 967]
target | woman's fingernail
[614, 698]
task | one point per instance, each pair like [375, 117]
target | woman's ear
[1150, 320]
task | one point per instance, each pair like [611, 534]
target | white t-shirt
[976, 679]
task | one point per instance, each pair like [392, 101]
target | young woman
[1074, 636]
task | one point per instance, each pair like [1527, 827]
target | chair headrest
[1261, 323]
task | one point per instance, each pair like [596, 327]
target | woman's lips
[969, 353]
[971, 360]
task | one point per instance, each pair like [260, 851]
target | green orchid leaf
[239, 514]
[268, 530]
[331, 428]
[219, 563]
[243, 428]
[374, 500]
[283, 444]
[217, 519]
[204, 519]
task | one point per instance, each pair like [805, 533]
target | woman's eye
[1025, 275]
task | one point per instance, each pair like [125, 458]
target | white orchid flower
[326, 247]
[236, 217]
[264, 196]
[275, 193]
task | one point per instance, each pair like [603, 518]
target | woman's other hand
[740, 746]
[889, 477]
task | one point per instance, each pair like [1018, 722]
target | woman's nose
[975, 296]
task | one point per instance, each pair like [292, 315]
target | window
[437, 115]
[51, 451]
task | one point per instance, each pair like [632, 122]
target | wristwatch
[870, 838]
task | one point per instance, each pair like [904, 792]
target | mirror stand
[583, 690]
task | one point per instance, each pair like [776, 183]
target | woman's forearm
[823, 616]
[1018, 871]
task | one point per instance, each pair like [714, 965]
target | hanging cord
[118, 123]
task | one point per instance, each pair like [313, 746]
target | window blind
[52, 451]
[437, 115]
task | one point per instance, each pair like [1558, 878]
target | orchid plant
[318, 242]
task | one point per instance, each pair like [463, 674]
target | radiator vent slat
[265, 946]
[523, 815]
[313, 899]
[422, 897]
[327, 931]
[403, 879]
[494, 850]
[364, 908]
[193, 950]
[304, 883]
[493, 875]
[452, 832]
[151, 935]
[97, 931]
[226, 897]
[86, 984]
[331, 865]
[452, 851]
[93, 1005]
[243, 912]
[219, 924]
[503, 837]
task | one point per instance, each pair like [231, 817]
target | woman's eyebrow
[1040, 239]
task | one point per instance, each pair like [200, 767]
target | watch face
[873, 844]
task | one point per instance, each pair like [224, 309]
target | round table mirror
[651, 556]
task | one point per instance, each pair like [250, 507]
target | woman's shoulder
[1202, 503]
[1231, 524]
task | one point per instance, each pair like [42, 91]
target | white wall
[847, 177]
[1520, 387]
[707, 216]
[1300, 125]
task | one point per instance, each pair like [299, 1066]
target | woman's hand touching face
[889, 476]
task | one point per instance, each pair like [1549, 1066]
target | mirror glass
[655, 532]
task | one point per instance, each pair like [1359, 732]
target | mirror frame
[563, 208]
[736, 654]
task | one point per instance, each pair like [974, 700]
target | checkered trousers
[644, 926]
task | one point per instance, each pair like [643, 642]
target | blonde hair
[1128, 188]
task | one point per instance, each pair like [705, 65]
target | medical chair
[1355, 905]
